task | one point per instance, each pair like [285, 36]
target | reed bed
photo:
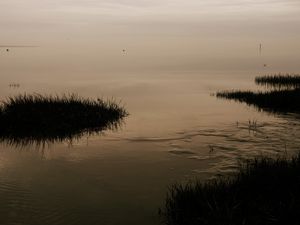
[282, 101]
[283, 98]
[264, 191]
[279, 81]
[29, 118]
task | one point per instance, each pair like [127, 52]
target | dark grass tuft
[279, 81]
[264, 191]
[280, 101]
[284, 98]
[27, 118]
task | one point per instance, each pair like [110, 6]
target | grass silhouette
[279, 81]
[264, 191]
[279, 101]
[36, 118]
[283, 98]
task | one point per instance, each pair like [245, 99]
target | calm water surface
[176, 131]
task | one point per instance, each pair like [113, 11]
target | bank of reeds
[30, 118]
[280, 101]
[279, 81]
[264, 191]
[282, 98]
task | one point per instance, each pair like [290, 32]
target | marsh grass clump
[283, 98]
[29, 118]
[280, 101]
[279, 81]
[264, 191]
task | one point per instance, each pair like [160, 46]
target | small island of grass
[278, 101]
[279, 81]
[29, 118]
[283, 98]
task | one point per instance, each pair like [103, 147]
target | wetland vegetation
[277, 101]
[283, 99]
[279, 81]
[26, 119]
[265, 190]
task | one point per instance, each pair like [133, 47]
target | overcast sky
[20, 10]
[177, 28]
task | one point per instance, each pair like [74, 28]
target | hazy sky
[15, 14]
[174, 30]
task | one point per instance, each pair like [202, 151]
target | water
[176, 131]
[176, 56]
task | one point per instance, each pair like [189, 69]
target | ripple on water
[19, 205]
[232, 143]
[181, 152]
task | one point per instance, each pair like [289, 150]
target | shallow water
[177, 55]
[177, 130]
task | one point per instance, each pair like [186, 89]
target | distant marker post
[260, 48]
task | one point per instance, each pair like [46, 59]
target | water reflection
[283, 97]
[42, 140]
[41, 120]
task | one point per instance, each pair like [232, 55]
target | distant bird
[124, 50]
[7, 50]
[265, 65]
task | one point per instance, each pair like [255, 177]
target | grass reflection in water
[37, 119]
